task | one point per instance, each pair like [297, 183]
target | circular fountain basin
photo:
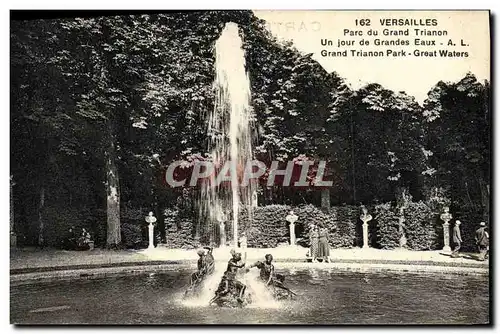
[326, 296]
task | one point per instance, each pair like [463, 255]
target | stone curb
[95, 273]
[23, 270]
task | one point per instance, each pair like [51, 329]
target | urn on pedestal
[446, 217]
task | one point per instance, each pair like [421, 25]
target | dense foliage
[100, 105]
[387, 222]
[421, 227]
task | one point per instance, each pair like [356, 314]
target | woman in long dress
[323, 247]
[314, 243]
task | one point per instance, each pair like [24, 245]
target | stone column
[365, 218]
[325, 199]
[151, 220]
[446, 217]
[292, 218]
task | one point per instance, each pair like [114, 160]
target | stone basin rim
[121, 271]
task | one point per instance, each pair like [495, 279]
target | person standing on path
[313, 237]
[482, 241]
[323, 246]
[457, 239]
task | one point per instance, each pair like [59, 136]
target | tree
[383, 152]
[458, 133]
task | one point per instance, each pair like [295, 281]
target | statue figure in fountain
[272, 280]
[231, 290]
[206, 267]
[266, 269]
[233, 266]
[202, 265]
[210, 261]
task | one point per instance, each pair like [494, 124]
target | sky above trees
[307, 28]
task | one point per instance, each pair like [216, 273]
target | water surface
[325, 297]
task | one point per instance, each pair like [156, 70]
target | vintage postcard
[250, 167]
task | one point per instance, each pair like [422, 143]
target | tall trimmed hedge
[179, 230]
[57, 222]
[387, 222]
[269, 227]
[421, 227]
[346, 222]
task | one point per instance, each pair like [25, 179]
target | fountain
[230, 125]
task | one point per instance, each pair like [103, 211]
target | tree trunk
[113, 237]
[485, 198]
[11, 205]
[353, 153]
[325, 199]
[13, 238]
[403, 197]
[41, 204]
[269, 196]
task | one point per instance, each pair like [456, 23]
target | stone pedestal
[365, 218]
[292, 234]
[446, 217]
[446, 236]
[151, 229]
[365, 235]
[292, 218]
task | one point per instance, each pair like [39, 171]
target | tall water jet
[230, 126]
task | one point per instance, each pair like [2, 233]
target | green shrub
[131, 235]
[179, 230]
[420, 227]
[387, 222]
[268, 226]
[345, 221]
[57, 222]
[308, 215]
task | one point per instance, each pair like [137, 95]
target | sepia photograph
[241, 167]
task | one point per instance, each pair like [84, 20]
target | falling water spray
[230, 125]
